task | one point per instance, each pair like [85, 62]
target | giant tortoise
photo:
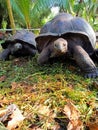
[66, 34]
[22, 43]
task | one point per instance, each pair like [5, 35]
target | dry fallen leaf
[93, 122]
[12, 116]
[2, 78]
[4, 101]
[43, 110]
[25, 86]
[45, 114]
[73, 115]
[16, 117]
[93, 126]
[2, 112]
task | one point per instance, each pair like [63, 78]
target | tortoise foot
[5, 55]
[93, 74]
[2, 58]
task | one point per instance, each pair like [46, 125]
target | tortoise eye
[55, 45]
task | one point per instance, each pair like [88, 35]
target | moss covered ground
[41, 92]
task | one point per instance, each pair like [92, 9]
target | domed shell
[64, 24]
[22, 36]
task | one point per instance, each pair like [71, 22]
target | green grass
[32, 87]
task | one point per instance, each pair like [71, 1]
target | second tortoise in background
[67, 34]
[22, 43]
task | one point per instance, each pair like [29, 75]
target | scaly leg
[85, 62]
[44, 56]
[5, 54]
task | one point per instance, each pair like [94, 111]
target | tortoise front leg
[85, 62]
[44, 56]
[5, 54]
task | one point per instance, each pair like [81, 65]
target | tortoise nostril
[64, 44]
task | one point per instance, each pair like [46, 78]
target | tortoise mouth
[62, 51]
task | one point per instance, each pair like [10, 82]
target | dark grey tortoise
[22, 43]
[67, 34]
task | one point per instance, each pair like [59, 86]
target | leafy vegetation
[33, 14]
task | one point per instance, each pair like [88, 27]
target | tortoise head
[16, 47]
[61, 45]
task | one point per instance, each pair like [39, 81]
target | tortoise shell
[22, 36]
[65, 24]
